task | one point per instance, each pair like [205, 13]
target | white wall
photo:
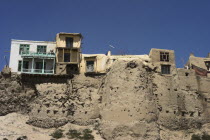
[14, 53]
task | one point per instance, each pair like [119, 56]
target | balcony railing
[37, 71]
[37, 54]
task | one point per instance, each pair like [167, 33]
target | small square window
[89, 66]
[41, 49]
[164, 56]
[24, 49]
[165, 69]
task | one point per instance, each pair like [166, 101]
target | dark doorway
[66, 57]
[72, 69]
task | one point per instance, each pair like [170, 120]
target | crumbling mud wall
[14, 97]
[180, 104]
[128, 109]
[75, 101]
[132, 101]
[154, 103]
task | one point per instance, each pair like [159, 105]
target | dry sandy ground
[14, 125]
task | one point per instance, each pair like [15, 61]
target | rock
[22, 138]
[6, 71]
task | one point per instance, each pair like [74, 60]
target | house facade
[164, 60]
[201, 65]
[64, 57]
[32, 57]
[68, 53]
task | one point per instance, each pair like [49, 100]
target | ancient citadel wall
[133, 100]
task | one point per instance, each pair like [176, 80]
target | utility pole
[5, 58]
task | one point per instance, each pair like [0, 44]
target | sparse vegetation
[200, 137]
[57, 134]
[85, 135]
[205, 137]
[72, 134]
[195, 137]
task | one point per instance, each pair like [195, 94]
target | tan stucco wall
[60, 40]
[61, 66]
[197, 61]
[99, 64]
[104, 62]
[155, 59]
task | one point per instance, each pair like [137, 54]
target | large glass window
[39, 65]
[41, 49]
[25, 65]
[24, 49]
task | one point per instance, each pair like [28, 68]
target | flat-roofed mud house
[68, 52]
[201, 65]
[64, 57]
[164, 60]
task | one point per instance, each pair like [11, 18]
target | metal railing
[37, 54]
[37, 71]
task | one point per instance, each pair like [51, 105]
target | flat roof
[16, 40]
[76, 34]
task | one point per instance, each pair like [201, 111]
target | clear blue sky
[134, 26]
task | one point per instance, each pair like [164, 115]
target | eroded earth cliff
[131, 102]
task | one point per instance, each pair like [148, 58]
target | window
[24, 49]
[165, 69]
[19, 65]
[164, 56]
[66, 57]
[207, 65]
[89, 66]
[41, 49]
[39, 65]
[25, 65]
[69, 42]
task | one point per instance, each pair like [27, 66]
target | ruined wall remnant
[74, 101]
[128, 105]
[15, 97]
